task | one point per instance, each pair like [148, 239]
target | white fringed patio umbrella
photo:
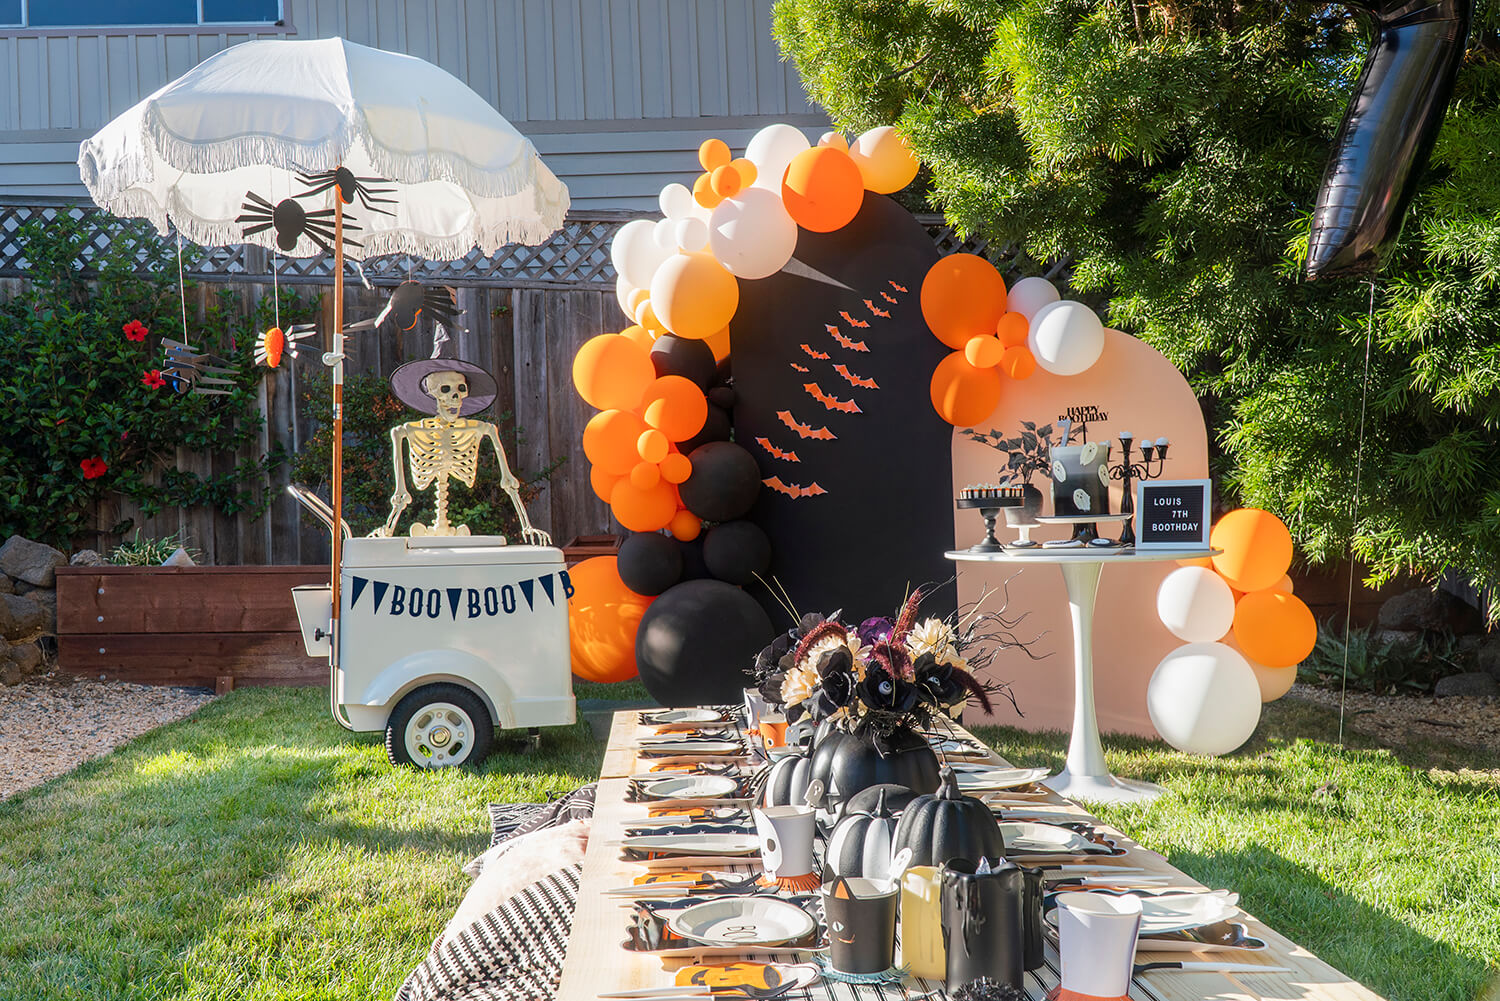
[426, 167]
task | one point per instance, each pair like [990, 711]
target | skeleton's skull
[449, 390]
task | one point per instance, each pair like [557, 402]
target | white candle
[921, 919]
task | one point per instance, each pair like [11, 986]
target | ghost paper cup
[1096, 935]
[861, 919]
[786, 840]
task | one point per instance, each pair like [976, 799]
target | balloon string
[1359, 462]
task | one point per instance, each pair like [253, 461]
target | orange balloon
[835, 140]
[962, 394]
[645, 475]
[1198, 561]
[609, 441]
[611, 372]
[713, 154]
[726, 181]
[635, 298]
[1274, 629]
[675, 406]
[1257, 550]
[603, 618]
[1018, 362]
[984, 351]
[962, 296]
[639, 335]
[822, 189]
[746, 170]
[694, 296]
[718, 344]
[1284, 585]
[676, 468]
[652, 446]
[602, 482]
[643, 510]
[685, 525]
[703, 192]
[1012, 329]
[645, 317]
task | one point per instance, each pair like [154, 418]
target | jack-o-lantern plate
[736, 921]
[1027, 838]
[1179, 912]
[673, 717]
[994, 779]
[650, 931]
[688, 787]
[694, 844]
[731, 976]
[689, 747]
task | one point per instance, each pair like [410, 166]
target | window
[111, 13]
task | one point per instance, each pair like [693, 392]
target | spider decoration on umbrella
[291, 222]
[188, 370]
[349, 187]
[410, 300]
[273, 343]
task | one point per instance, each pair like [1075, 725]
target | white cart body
[468, 610]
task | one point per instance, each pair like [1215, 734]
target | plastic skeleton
[447, 446]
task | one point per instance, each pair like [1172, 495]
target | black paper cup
[861, 919]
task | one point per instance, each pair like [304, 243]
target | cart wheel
[438, 726]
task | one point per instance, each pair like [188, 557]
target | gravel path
[50, 724]
[1470, 720]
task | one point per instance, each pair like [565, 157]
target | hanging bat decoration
[846, 342]
[410, 300]
[273, 343]
[831, 402]
[794, 490]
[821, 356]
[799, 368]
[1389, 128]
[804, 430]
[775, 452]
[188, 370]
[888, 298]
[349, 188]
[853, 379]
[290, 222]
[877, 311]
[851, 320]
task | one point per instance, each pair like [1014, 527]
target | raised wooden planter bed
[212, 626]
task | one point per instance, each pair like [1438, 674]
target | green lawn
[258, 851]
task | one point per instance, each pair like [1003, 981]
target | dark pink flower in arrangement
[152, 378]
[135, 330]
[93, 468]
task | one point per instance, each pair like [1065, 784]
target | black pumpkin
[897, 798]
[948, 825]
[859, 764]
[821, 769]
[786, 783]
[861, 843]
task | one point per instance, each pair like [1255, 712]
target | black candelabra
[1128, 471]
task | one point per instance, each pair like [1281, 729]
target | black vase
[984, 925]
[858, 762]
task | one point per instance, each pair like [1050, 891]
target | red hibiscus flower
[93, 468]
[135, 330]
[152, 378]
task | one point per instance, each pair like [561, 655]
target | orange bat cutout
[898, 288]
[874, 310]
[853, 379]
[799, 368]
[851, 320]
[889, 298]
[794, 490]
[852, 345]
[804, 430]
[831, 402]
[775, 452]
[815, 354]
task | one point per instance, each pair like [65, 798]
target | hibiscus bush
[87, 410]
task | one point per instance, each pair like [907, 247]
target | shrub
[1379, 663]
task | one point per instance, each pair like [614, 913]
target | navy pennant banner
[461, 602]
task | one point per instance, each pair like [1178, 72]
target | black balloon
[715, 428]
[722, 396]
[736, 551]
[691, 359]
[649, 563]
[694, 567]
[724, 483]
[697, 641]
[1388, 131]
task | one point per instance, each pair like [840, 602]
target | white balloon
[1195, 605]
[664, 233]
[692, 234]
[771, 149]
[1029, 295]
[1203, 699]
[636, 254]
[1066, 337]
[751, 234]
[676, 201]
[623, 289]
[835, 140]
[1274, 681]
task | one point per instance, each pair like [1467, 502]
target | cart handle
[317, 506]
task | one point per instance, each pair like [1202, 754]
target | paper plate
[982, 779]
[678, 745]
[683, 716]
[1179, 912]
[747, 921]
[695, 844]
[1024, 837]
[689, 787]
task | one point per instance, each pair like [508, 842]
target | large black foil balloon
[724, 483]
[1388, 131]
[736, 552]
[697, 641]
[649, 563]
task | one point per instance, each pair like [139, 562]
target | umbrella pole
[338, 447]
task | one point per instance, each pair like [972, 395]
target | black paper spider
[290, 221]
[349, 187]
[190, 371]
[410, 300]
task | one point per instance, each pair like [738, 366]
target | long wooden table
[596, 961]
